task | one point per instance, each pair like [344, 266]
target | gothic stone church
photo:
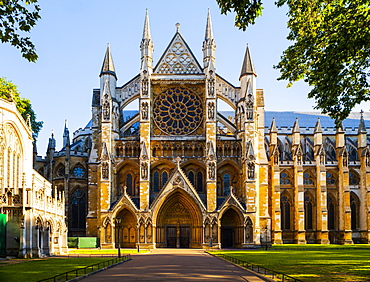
[179, 173]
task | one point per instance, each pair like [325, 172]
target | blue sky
[72, 36]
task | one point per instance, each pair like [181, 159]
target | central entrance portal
[179, 223]
[178, 237]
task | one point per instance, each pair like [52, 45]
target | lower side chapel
[180, 173]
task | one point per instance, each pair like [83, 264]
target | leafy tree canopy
[9, 91]
[330, 50]
[16, 18]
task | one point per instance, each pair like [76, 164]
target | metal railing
[72, 274]
[278, 276]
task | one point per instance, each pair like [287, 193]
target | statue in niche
[345, 160]
[144, 170]
[211, 87]
[367, 159]
[251, 170]
[212, 170]
[106, 108]
[211, 110]
[249, 109]
[322, 159]
[144, 110]
[105, 171]
[145, 84]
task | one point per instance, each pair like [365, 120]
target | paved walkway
[174, 265]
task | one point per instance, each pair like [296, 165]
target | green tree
[330, 50]
[9, 91]
[16, 18]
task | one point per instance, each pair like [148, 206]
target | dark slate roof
[308, 119]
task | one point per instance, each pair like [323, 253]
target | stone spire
[108, 65]
[362, 134]
[273, 126]
[209, 31]
[362, 126]
[248, 67]
[146, 30]
[146, 47]
[318, 128]
[52, 143]
[296, 127]
[66, 141]
[209, 46]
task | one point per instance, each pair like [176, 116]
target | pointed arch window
[156, 181]
[227, 184]
[285, 212]
[199, 186]
[354, 179]
[331, 212]
[129, 184]
[330, 179]
[78, 217]
[284, 178]
[308, 211]
[164, 178]
[355, 204]
[191, 177]
[307, 179]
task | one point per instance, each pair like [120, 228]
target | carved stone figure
[211, 170]
[251, 170]
[105, 171]
[211, 110]
[106, 110]
[144, 110]
[144, 170]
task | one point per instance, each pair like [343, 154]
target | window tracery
[178, 111]
[78, 217]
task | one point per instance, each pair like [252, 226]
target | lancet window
[78, 217]
[331, 212]
[285, 206]
[355, 205]
[308, 210]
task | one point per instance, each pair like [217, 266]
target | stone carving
[211, 87]
[249, 108]
[105, 170]
[211, 170]
[144, 110]
[145, 84]
[251, 170]
[211, 110]
[106, 108]
[144, 170]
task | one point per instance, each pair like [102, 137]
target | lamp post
[266, 238]
[118, 223]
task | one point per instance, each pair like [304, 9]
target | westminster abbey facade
[180, 173]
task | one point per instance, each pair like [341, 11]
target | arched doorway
[179, 223]
[127, 229]
[231, 229]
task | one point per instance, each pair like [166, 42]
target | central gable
[178, 59]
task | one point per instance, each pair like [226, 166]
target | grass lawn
[37, 269]
[323, 263]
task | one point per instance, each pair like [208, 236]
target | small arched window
[129, 184]
[156, 181]
[331, 213]
[308, 211]
[285, 212]
[355, 204]
[164, 178]
[191, 177]
[199, 181]
[227, 184]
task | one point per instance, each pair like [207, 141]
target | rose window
[178, 111]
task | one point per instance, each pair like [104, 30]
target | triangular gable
[178, 59]
[231, 200]
[178, 180]
[124, 200]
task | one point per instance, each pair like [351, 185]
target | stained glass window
[78, 208]
[178, 111]
[227, 184]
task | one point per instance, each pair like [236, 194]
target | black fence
[85, 270]
[278, 276]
